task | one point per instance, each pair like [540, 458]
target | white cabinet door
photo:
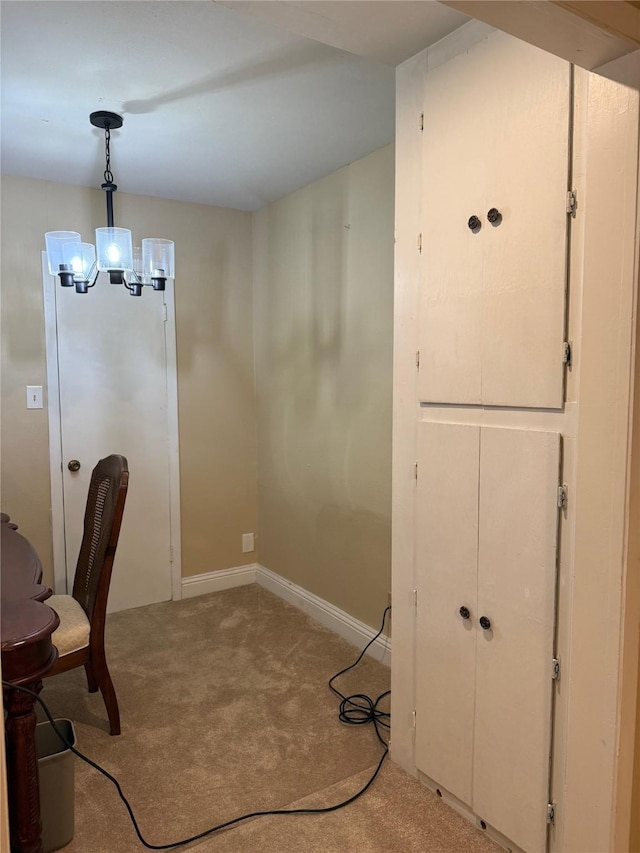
[492, 311]
[447, 557]
[486, 525]
[517, 552]
[452, 191]
[524, 257]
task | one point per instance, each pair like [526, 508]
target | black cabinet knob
[494, 216]
[474, 223]
[485, 622]
[465, 612]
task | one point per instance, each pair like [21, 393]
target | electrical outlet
[247, 543]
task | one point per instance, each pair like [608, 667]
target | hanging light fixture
[77, 263]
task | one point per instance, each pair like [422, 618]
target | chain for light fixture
[77, 263]
[108, 174]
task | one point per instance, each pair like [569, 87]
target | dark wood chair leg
[91, 679]
[101, 673]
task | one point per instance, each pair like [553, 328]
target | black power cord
[358, 709]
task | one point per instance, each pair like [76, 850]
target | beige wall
[323, 283]
[25, 487]
[323, 295]
[215, 361]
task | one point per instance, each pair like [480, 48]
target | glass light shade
[158, 258]
[114, 249]
[83, 263]
[63, 250]
[138, 266]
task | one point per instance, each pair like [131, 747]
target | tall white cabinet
[494, 216]
[489, 421]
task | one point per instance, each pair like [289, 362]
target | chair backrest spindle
[102, 521]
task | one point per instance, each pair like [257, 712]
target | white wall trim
[327, 614]
[56, 511]
[410, 85]
[171, 371]
[217, 581]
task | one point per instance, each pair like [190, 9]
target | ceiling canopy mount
[106, 120]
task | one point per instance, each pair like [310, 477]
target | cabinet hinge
[566, 353]
[420, 243]
[418, 360]
[413, 719]
[421, 121]
[164, 308]
[555, 669]
[171, 553]
[572, 203]
[551, 812]
[563, 496]
[415, 471]
[415, 597]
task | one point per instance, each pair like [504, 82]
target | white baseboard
[322, 611]
[327, 614]
[217, 581]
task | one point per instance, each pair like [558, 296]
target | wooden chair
[80, 637]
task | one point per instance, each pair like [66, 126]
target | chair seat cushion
[73, 632]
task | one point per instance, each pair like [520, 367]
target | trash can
[56, 778]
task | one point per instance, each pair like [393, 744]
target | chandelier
[77, 263]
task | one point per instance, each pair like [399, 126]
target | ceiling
[232, 104]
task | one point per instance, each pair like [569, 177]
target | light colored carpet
[225, 710]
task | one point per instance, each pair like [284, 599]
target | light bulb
[114, 249]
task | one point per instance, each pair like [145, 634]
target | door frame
[55, 436]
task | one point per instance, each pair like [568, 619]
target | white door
[112, 370]
[492, 311]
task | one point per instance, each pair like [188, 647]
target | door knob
[73, 465]
[494, 216]
[465, 612]
[485, 623]
[474, 224]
